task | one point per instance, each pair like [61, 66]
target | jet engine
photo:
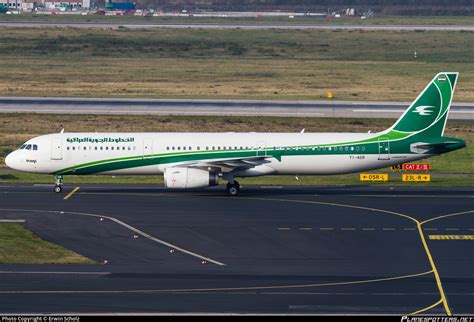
[183, 178]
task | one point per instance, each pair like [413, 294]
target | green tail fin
[429, 112]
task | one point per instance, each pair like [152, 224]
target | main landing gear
[233, 189]
[58, 187]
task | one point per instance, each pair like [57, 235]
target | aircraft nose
[10, 160]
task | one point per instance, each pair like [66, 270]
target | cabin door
[261, 148]
[57, 149]
[384, 149]
[147, 148]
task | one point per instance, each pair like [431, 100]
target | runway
[274, 250]
[239, 26]
[345, 109]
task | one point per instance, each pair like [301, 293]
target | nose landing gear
[58, 187]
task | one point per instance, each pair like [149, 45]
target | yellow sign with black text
[376, 177]
[451, 237]
[416, 177]
[398, 167]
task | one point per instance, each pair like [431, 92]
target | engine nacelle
[183, 178]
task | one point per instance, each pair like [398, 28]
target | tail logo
[423, 110]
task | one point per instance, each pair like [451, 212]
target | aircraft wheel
[233, 189]
[58, 189]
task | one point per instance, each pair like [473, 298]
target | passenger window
[85, 148]
[190, 148]
[67, 148]
[179, 148]
[111, 148]
[198, 148]
[95, 148]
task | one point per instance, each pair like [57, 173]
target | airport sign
[451, 237]
[377, 177]
[397, 167]
[416, 177]
[416, 167]
[412, 167]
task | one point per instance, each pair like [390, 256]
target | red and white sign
[416, 167]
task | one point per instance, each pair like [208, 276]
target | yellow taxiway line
[69, 195]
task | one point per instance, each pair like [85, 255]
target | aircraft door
[147, 148]
[261, 148]
[384, 149]
[57, 149]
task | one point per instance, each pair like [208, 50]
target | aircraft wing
[230, 164]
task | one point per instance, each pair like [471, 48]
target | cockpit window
[35, 147]
[28, 147]
[23, 146]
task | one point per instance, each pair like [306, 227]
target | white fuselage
[302, 153]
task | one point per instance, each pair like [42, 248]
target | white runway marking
[121, 223]
[12, 221]
[52, 272]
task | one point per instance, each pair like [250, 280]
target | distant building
[12, 4]
[29, 5]
[66, 5]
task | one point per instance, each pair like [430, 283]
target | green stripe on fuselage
[369, 146]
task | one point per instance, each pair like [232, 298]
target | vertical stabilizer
[429, 112]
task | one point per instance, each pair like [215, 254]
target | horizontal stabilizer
[434, 145]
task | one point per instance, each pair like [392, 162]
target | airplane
[197, 160]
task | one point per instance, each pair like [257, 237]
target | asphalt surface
[353, 109]
[270, 250]
[237, 26]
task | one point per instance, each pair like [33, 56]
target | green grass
[455, 168]
[257, 64]
[395, 20]
[19, 245]
[437, 179]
